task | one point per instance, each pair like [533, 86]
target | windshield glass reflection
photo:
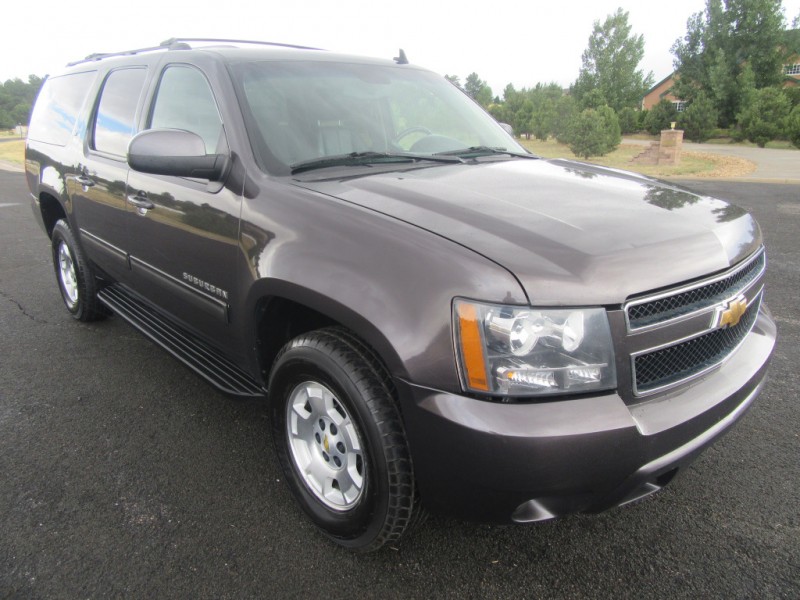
[305, 111]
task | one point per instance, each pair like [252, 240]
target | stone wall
[667, 151]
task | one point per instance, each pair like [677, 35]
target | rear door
[98, 186]
[184, 233]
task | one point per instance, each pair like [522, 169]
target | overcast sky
[511, 41]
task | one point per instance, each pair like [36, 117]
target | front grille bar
[660, 309]
[662, 368]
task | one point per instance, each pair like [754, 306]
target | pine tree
[610, 65]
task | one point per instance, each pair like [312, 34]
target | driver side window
[184, 101]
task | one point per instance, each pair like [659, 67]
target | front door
[184, 232]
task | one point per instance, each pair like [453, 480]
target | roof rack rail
[181, 44]
[171, 41]
[167, 45]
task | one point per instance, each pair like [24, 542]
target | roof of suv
[241, 51]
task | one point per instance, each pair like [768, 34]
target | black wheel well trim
[299, 310]
[52, 211]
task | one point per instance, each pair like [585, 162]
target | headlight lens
[522, 351]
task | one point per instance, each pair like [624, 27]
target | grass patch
[13, 151]
[693, 164]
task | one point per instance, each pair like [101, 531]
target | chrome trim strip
[687, 288]
[104, 243]
[140, 263]
[756, 300]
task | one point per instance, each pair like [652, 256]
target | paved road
[773, 165]
[124, 475]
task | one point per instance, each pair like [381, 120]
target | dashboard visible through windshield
[303, 111]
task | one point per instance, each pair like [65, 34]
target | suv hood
[572, 234]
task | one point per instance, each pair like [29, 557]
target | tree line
[16, 100]
[729, 72]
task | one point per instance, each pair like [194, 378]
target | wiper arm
[365, 158]
[484, 151]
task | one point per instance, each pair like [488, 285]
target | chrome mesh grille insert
[691, 300]
[673, 364]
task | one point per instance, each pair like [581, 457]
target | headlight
[522, 351]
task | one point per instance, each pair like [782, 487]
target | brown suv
[439, 318]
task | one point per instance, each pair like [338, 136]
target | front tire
[340, 440]
[74, 275]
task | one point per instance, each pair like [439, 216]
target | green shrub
[628, 120]
[764, 118]
[566, 111]
[611, 126]
[793, 126]
[660, 117]
[594, 132]
[544, 114]
[699, 119]
[793, 93]
[642, 118]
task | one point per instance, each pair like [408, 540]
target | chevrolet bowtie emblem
[730, 313]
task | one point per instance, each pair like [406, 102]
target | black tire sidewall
[82, 310]
[357, 526]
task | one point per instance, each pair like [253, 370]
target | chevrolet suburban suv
[439, 320]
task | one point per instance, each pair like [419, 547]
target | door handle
[139, 200]
[84, 180]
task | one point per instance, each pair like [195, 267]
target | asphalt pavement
[773, 165]
[122, 474]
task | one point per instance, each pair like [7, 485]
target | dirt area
[724, 167]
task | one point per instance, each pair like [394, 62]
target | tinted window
[308, 110]
[113, 127]
[58, 106]
[184, 101]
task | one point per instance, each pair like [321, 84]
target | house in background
[663, 89]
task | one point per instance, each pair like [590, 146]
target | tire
[340, 440]
[74, 275]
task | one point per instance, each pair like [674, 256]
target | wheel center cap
[325, 444]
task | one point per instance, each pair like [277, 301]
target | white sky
[508, 41]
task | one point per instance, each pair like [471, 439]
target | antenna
[401, 60]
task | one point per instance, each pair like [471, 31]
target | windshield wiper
[474, 151]
[366, 158]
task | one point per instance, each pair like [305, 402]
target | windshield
[304, 111]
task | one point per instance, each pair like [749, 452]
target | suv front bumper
[502, 463]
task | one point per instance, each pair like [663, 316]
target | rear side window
[58, 106]
[114, 121]
[185, 101]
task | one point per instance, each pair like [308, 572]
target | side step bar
[186, 347]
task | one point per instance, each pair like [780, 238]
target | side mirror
[508, 129]
[175, 152]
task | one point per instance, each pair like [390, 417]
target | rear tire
[340, 439]
[74, 275]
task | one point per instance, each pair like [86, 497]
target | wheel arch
[51, 211]
[283, 310]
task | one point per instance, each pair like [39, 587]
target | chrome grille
[667, 366]
[673, 304]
